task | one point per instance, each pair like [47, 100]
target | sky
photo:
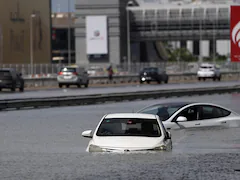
[62, 5]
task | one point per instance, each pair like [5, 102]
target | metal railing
[51, 70]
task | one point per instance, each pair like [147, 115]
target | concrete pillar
[196, 48]
[212, 48]
[183, 44]
[143, 52]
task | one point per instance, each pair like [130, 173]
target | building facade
[115, 11]
[61, 25]
[18, 18]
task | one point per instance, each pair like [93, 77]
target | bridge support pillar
[212, 48]
[143, 52]
[196, 46]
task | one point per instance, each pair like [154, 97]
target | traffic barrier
[119, 79]
[16, 104]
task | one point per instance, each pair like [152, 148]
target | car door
[18, 80]
[15, 78]
[210, 116]
[82, 75]
[191, 115]
[85, 74]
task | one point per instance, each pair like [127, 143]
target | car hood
[129, 142]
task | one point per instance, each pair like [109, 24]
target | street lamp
[31, 41]
[69, 33]
[200, 34]
[130, 3]
[1, 45]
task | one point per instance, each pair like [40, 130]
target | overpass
[184, 22]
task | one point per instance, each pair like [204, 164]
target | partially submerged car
[124, 132]
[182, 115]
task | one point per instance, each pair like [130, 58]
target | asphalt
[105, 90]
[46, 144]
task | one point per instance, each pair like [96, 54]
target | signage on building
[96, 35]
[235, 33]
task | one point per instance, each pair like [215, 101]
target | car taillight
[75, 73]
[60, 73]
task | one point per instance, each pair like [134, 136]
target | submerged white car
[181, 115]
[124, 132]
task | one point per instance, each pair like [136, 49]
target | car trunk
[5, 76]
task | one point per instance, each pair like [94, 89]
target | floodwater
[46, 144]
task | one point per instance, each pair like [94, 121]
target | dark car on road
[153, 74]
[11, 79]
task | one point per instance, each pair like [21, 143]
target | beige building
[16, 18]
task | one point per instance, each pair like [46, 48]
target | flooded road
[46, 144]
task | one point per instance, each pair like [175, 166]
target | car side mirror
[87, 134]
[181, 119]
[169, 136]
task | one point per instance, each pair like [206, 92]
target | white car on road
[207, 71]
[124, 132]
[181, 115]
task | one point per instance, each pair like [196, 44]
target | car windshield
[163, 111]
[150, 69]
[67, 69]
[207, 67]
[129, 127]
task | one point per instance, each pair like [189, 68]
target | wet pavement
[74, 91]
[46, 144]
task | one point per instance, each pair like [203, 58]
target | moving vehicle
[124, 132]
[149, 74]
[11, 79]
[72, 75]
[181, 115]
[209, 71]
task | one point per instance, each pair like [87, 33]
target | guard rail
[112, 97]
[118, 79]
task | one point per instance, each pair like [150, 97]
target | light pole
[69, 33]
[1, 45]
[130, 3]
[31, 42]
[200, 34]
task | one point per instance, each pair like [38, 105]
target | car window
[163, 111]
[5, 73]
[190, 113]
[209, 112]
[129, 127]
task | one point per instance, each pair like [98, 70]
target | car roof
[6, 69]
[172, 104]
[131, 115]
[167, 104]
[207, 64]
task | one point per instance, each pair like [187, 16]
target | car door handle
[224, 122]
[168, 128]
[197, 124]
